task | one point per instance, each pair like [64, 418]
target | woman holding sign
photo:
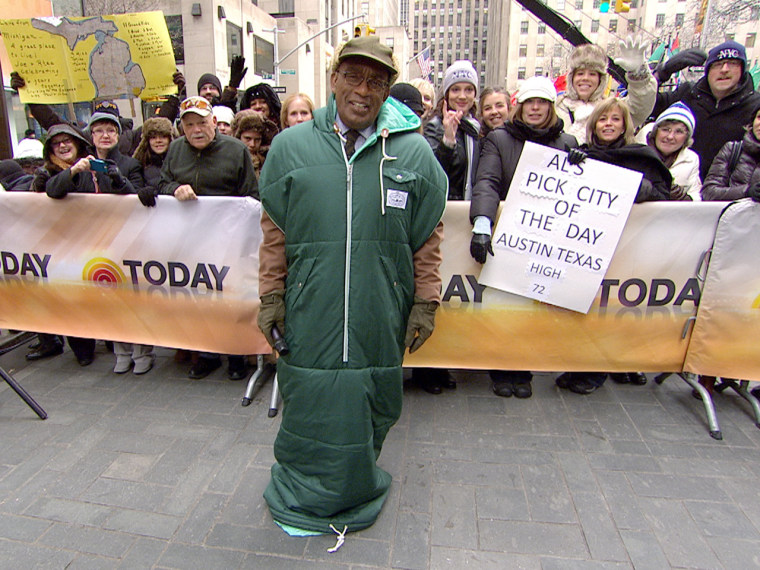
[610, 139]
[533, 119]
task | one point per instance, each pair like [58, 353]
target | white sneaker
[144, 365]
[123, 364]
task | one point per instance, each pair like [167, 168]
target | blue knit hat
[678, 112]
[726, 50]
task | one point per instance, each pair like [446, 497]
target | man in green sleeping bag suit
[349, 273]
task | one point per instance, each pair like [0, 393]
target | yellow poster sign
[82, 59]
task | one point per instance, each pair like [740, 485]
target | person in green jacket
[349, 274]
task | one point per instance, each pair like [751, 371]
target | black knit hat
[212, 79]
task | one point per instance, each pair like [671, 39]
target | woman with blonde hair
[610, 136]
[494, 109]
[296, 109]
[427, 91]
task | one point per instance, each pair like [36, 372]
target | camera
[98, 165]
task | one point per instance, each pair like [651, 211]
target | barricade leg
[741, 387]
[274, 402]
[251, 387]
[712, 418]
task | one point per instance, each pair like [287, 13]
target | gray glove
[632, 53]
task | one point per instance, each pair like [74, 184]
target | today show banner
[184, 275]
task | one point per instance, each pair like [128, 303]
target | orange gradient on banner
[103, 271]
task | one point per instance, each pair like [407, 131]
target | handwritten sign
[559, 227]
[81, 59]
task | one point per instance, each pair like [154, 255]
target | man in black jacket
[722, 101]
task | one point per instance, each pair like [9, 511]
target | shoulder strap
[736, 151]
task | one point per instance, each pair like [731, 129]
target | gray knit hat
[458, 72]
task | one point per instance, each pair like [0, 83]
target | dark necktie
[351, 136]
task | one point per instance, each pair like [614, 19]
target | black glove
[237, 71]
[147, 196]
[686, 58]
[480, 247]
[754, 192]
[118, 181]
[17, 82]
[576, 155]
[179, 81]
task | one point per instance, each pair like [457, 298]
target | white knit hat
[461, 71]
[678, 112]
[538, 86]
[223, 114]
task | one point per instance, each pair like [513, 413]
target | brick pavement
[163, 472]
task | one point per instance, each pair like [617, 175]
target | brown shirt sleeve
[273, 266]
[427, 264]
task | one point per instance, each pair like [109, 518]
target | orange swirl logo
[103, 271]
[756, 303]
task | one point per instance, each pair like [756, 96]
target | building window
[539, 71]
[679, 20]
[631, 25]
[524, 27]
[659, 21]
[557, 50]
[594, 26]
[174, 24]
[597, 4]
[560, 4]
[613, 26]
[635, 4]
[577, 24]
[522, 51]
[750, 41]
[579, 5]
[541, 28]
[234, 41]
[555, 71]
[540, 50]
[520, 73]
[263, 60]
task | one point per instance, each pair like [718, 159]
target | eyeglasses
[677, 131]
[356, 79]
[195, 103]
[59, 142]
[100, 131]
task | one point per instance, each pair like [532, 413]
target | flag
[560, 84]
[675, 46]
[658, 53]
[423, 60]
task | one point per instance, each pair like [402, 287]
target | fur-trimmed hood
[248, 119]
[587, 56]
[153, 127]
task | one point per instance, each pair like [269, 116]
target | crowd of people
[355, 282]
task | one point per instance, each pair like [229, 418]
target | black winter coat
[721, 184]
[60, 184]
[499, 155]
[657, 180]
[454, 160]
[717, 122]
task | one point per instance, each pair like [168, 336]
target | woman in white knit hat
[532, 119]
[587, 81]
[671, 136]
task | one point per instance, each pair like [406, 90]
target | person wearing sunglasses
[349, 274]
[205, 162]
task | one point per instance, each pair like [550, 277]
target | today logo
[103, 271]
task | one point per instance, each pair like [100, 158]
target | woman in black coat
[533, 119]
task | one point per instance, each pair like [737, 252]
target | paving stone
[130, 466]
[502, 503]
[263, 561]
[22, 528]
[190, 485]
[263, 540]
[125, 494]
[621, 501]
[33, 556]
[601, 534]
[624, 462]
[466, 473]
[591, 437]
[417, 483]
[453, 518]
[578, 474]
[192, 557]
[736, 554]
[168, 466]
[70, 511]
[202, 518]
[644, 550]
[143, 554]
[411, 541]
[152, 525]
[676, 486]
[91, 562]
[722, 520]
[565, 564]
[88, 540]
[677, 534]
[442, 558]
[354, 551]
[533, 538]
[548, 497]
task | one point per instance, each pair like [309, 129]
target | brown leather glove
[421, 323]
[17, 82]
[271, 313]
